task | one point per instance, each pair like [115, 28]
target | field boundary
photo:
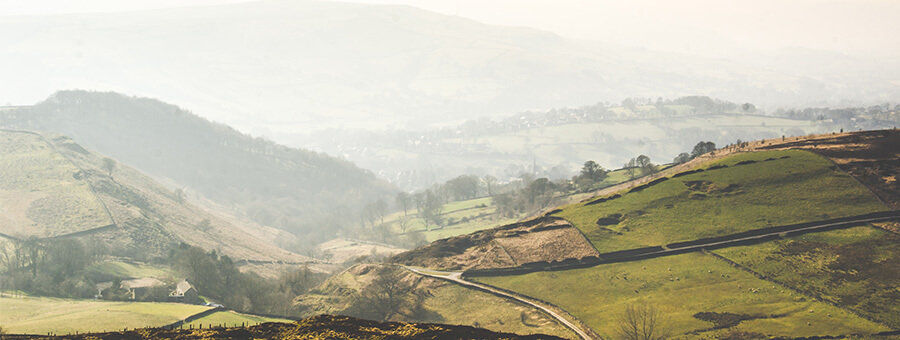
[53, 146]
[798, 290]
[737, 239]
[214, 310]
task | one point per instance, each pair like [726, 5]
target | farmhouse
[184, 292]
[139, 287]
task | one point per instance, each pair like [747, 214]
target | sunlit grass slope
[41, 193]
[858, 268]
[765, 189]
[40, 315]
[681, 286]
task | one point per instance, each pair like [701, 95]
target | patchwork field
[829, 283]
[578, 142]
[770, 188]
[680, 287]
[40, 315]
[462, 217]
[41, 193]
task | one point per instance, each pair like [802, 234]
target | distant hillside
[279, 66]
[555, 143]
[288, 188]
[54, 188]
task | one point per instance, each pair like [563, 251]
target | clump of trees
[535, 194]
[391, 294]
[700, 148]
[50, 267]
[217, 277]
[640, 166]
[591, 173]
[703, 148]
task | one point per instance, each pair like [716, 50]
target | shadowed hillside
[53, 188]
[288, 188]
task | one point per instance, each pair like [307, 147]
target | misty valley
[283, 169]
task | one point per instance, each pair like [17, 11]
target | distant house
[184, 292]
[138, 287]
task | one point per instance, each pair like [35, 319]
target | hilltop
[291, 189]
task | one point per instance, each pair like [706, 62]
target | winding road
[671, 249]
[456, 277]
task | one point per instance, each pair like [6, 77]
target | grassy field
[231, 319]
[855, 268]
[40, 315]
[452, 304]
[109, 270]
[681, 286]
[772, 191]
[40, 191]
[463, 216]
[858, 268]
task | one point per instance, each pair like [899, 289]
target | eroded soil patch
[544, 239]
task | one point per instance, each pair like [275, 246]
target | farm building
[139, 287]
[184, 292]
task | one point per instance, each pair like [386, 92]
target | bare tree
[404, 223]
[403, 200]
[389, 294]
[631, 168]
[642, 322]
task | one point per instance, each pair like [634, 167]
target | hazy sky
[708, 27]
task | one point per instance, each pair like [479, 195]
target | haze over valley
[412, 169]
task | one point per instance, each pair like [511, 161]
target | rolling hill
[555, 143]
[54, 188]
[831, 282]
[304, 192]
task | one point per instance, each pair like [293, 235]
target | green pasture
[781, 187]
[42, 315]
[41, 193]
[858, 268]
[679, 287]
